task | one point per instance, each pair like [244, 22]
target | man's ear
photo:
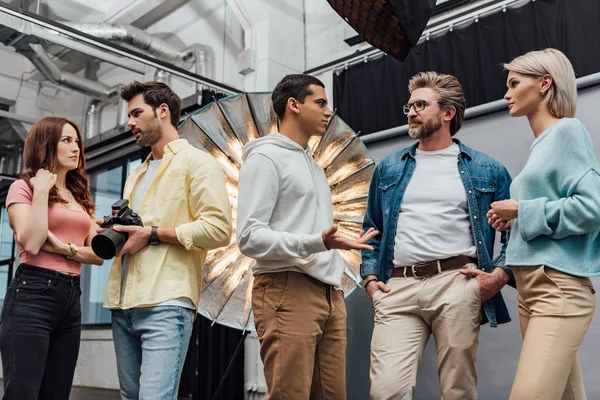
[449, 113]
[293, 105]
[163, 111]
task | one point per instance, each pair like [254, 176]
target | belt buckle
[414, 272]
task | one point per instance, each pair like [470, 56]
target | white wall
[210, 23]
[325, 34]
[97, 362]
[278, 41]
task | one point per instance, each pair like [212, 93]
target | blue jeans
[151, 344]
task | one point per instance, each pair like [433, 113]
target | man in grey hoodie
[285, 223]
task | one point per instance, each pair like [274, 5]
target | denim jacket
[485, 181]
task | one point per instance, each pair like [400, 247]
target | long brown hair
[40, 151]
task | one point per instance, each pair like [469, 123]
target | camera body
[109, 242]
[123, 215]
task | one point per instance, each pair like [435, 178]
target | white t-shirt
[138, 199]
[433, 222]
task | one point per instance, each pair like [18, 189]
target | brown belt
[429, 268]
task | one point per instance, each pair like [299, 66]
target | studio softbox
[393, 26]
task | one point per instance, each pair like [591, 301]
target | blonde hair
[448, 89]
[561, 98]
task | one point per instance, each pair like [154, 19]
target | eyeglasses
[418, 105]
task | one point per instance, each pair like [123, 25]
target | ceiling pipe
[139, 39]
[41, 60]
[199, 55]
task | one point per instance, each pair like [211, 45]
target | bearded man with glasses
[431, 270]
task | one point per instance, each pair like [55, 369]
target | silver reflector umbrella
[222, 128]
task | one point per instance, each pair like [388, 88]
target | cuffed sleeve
[503, 193]
[577, 214]
[209, 204]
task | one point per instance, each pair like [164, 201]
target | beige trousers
[447, 305]
[301, 326]
[555, 311]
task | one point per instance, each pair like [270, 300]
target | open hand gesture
[334, 240]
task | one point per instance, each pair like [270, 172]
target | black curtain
[369, 96]
[212, 350]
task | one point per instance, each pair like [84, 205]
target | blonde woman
[554, 245]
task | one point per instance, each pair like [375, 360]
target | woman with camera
[50, 210]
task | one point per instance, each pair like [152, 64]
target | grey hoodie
[284, 204]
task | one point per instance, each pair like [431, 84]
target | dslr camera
[109, 242]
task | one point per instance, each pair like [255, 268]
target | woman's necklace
[71, 202]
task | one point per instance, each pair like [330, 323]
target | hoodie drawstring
[310, 161]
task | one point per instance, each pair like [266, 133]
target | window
[6, 252]
[106, 187]
[133, 164]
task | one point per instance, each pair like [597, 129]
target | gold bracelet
[74, 250]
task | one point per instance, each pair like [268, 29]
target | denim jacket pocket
[485, 193]
[483, 186]
[388, 182]
[388, 186]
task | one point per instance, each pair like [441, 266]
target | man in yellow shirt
[155, 280]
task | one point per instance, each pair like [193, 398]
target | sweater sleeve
[576, 214]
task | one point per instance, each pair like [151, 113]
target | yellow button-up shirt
[188, 194]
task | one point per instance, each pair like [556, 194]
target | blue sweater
[559, 203]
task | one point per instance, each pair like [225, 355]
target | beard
[424, 131]
[151, 135]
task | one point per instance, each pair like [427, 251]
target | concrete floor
[79, 393]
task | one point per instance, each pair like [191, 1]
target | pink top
[68, 225]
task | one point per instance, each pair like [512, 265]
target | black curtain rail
[443, 16]
[450, 5]
[369, 96]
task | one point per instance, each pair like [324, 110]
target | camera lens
[108, 243]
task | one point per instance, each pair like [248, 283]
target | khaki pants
[301, 326]
[447, 305]
[555, 311]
